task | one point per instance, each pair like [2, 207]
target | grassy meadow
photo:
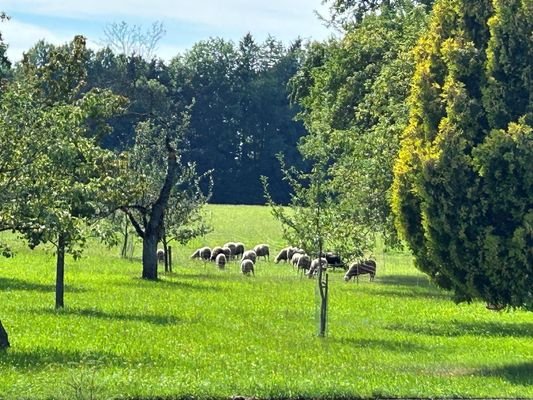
[207, 333]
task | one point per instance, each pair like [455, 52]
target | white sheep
[160, 255]
[292, 250]
[239, 249]
[204, 253]
[361, 268]
[304, 262]
[247, 266]
[282, 255]
[227, 252]
[295, 258]
[249, 255]
[262, 250]
[315, 264]
[220, 261]
[215, 252]
[232, 246]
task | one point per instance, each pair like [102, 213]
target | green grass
[209, 333]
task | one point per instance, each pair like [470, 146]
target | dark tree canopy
[241, 117]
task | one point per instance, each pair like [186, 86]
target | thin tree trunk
[124, 251]
[169, 258]
[60, 270]
[4, 341]
[165, 248]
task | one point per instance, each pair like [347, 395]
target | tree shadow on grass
[520, 373]
[178, 283]
[212, 276]
[407, 286]
[461, 328]
[404, 280]
[112, 316]
[411, 293]
[39, 358]
[22, 285]
[382, 344]
[231, 274]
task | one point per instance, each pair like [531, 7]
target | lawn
[209, 333]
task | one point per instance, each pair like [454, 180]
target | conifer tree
[463, 191]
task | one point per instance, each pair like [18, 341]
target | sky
[185, 21]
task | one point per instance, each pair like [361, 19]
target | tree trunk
[165, 248]
[124, 251]
[155, 226]
[150, 255]
[60, 270]
[169, 258]
[4, 342]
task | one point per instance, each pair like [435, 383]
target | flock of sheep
[302, 261]
[221, 255]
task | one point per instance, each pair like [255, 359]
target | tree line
[240, 115]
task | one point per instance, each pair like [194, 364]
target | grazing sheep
[227, 252]
[247, 266]
[249, 255]
[292, 250]
[304, 262]
[239, 249]
[315, 264]
[221, 261]
[215, 252]
[262, 250]
[295, 258]
[334, 260]
[160, 255]
[361, 268]
[232, 247]
[282, 255]
[204, 253]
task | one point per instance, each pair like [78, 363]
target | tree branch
[136, 225]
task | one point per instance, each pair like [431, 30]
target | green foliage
[5, 64]
[208, 328]
[148, 171]
[64, 176]
[462, 191]
[318, 217]
[241, 116]
[507, 95]
[55, 177]
[353, 96]
[343, 14]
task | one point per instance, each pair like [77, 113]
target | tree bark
[155, 226]
[124, 251]
[60, 270]
[165, 248]
[150, 256]
[169, 258]
[4, 341]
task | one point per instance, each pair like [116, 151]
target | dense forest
[413, 123]
[237, 94]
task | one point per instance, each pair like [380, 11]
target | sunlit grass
[210, 333]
